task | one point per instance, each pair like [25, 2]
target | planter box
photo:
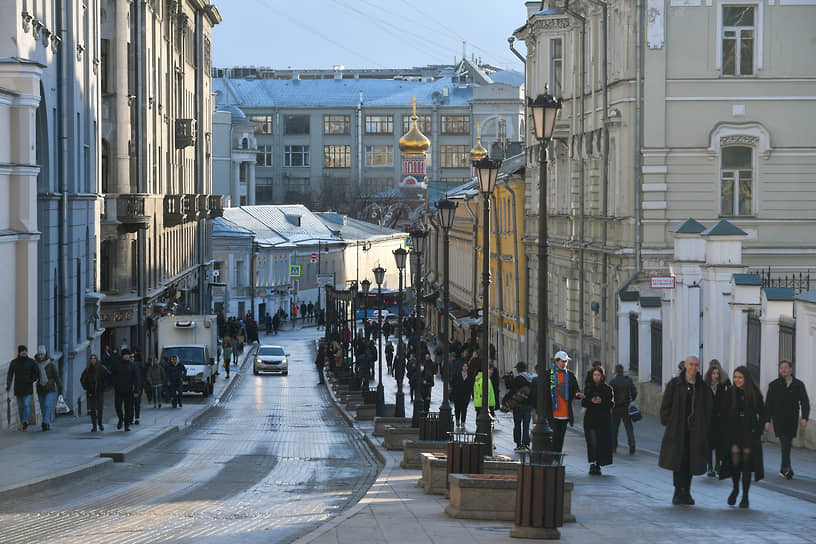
[366, 412]
[501, 467]
[482, 496]
[396, 435]
[381, 422]
[434, 473]
[412, 451]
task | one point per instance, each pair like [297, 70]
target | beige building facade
[670, 110]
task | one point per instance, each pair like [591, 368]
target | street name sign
[662, 282]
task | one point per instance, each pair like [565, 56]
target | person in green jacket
[477, 394]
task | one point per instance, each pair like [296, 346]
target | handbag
[634, 412]
[62, 406]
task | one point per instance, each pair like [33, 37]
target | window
[296, 155]
[379, 155]
[738, 41]
[423, 124]
[736, 181]
[336, 124]
[263, 124]
[337, 156]
[264, 155]
[104, 75]
[556, 63]
[296, 124]
[379, 124]
[455, 124]
[455, 156]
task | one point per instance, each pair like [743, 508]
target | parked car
[271, 359]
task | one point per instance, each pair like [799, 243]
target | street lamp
[545, 112]
[366, 285]
[487, 170]
[379, 276]
[418, 239]
[400, 255]
[446, 209]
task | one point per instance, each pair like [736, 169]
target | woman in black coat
[744, 415]
[717, 381]
[461, 391]
[598, 402]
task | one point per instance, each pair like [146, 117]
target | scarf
[554, 386]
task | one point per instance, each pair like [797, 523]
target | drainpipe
[360, 144]
[521, 57]
[516, 265]
[604, 177]
[475, 219]
[499, 283]
[141, 166]
[63, 120]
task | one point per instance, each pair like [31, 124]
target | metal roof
[779, 293]
[689, 226]
[294, 222]
[222, 226]
[809, 296]
[264, 235]
[238, 117]
[723, 228]
[266, 93]
[747, 279]
[509, 77]
[354, 229]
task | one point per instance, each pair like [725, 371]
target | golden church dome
[414, 141]
[478, 152]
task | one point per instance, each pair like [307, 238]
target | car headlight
[258, 360]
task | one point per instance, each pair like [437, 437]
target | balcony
[216, 205]
[203, 206]
[190, 207]
[173, 214]
[132, 212]
[185, 133]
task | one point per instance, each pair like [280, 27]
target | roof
[238, 117]
[747, 279]
[779, 293]
[354, 229]
[809, 296]
[437, 189]
[265, 93]
[723, 228]
[513, 164]
[295, 222]
[226, 228]
[509, 77]
[650, 302]
[629, 296]
[689, 226]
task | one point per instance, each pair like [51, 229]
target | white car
[271, 359]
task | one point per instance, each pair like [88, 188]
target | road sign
[409, 243]
[325, 279]
[662, 282]
[314, 257]
[294, 271]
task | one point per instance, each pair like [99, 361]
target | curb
[60, 477]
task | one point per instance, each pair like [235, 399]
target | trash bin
[464, 454]
[540, 492]
[430, 428]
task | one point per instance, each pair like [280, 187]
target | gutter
[475, 220]
[516, 263]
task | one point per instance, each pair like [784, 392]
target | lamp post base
[380, 400]
[445, 419]
[399, 406]
[541, 436]
[484, 427]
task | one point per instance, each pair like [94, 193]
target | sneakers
[789, 474]
[518, 448]
[595, 469]
[136, 422]
[119, 425]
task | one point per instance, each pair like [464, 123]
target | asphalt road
[269, 463]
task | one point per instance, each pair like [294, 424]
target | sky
[308, 34]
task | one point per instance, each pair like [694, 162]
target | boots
[746, 481]
[732, 498]
[93, 422]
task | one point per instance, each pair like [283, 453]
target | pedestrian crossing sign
[409, 243]
[294, 271]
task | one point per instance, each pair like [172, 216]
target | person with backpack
[625, 392]
[522, 412]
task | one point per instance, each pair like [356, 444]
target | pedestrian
[461, 392]
[320, 362]
[788, 408]
[411, 371]
[685, 412]
[717, 381]
[493, 375]
[23, 371]
[560, 391]
[598, 402]
[478, 395]
[389, 357]
[48, 385]
[743, 415]
[175, 374]
[154, 376]
[588, 378]
[426, 377]
[124, 385]
[276, 319]
[139, 373]
[94, 380]
[227, 343]
[399, 364]
[625, 392]
[522, 412]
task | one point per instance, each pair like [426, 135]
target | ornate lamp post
[366, 285]
[399, 256]
[446, 209]
[379, 276]
[418, 238]
[486, 171]
[545, 112]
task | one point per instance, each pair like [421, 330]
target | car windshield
[271, 350]
[186, 355]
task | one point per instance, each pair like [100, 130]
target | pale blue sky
[364, 33]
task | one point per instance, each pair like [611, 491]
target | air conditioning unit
[185, 133]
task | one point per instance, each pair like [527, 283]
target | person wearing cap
[23, 372]
[123, 378]
[48, 386]
[561, 389]
[522, 412]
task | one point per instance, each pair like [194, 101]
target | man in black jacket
[786, 395]
[625, 392]
[123, 378]
[23, 371]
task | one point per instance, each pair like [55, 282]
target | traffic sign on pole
[294, 270]
[314, 257]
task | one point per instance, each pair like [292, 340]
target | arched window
[736, 180]
[245, 144]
